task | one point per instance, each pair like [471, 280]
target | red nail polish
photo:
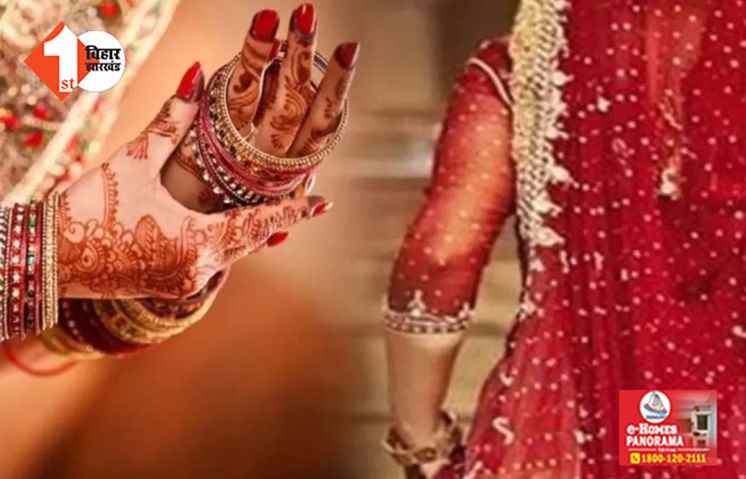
[192, 84]
[277, 238]
[319, 210]
[347, 54]
[304, 19]
[264, 26]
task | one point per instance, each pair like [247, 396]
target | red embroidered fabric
[468, 199]
[647, 289]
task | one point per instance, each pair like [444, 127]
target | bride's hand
[121, 234]
[289, 118]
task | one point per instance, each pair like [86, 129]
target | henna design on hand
[269, 97]
[318, 137]
[245, 93]
[243, 233]
[110, 259]
[162, 125]
[298, 97]
[342, 88]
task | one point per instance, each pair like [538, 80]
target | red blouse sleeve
[437, 273]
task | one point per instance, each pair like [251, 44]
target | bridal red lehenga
[628, 175]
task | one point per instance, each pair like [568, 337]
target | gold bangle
[50, 292]
[131, 321]
[122, 327]
[245, 150]
[126, 320]
[58, 342]
[146, 318]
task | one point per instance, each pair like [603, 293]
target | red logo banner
[668, 427]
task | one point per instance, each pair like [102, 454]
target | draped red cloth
[646, 289]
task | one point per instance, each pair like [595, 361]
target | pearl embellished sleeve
[437, 273]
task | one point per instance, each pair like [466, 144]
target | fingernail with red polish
[277, 238]
[347, 54]
[264, 26]
[192, 84]
[319, 210]
[304, 19]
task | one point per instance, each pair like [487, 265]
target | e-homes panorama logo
[93, 61]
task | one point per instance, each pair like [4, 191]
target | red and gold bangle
[33, 316]
[16, 271]
[58, 341]
[181, 308]
[49, 294]
[28, 268]
[4, 225]
[91, 329]
[237, 171]
[81, 325]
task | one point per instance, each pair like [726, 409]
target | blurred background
[285, 377]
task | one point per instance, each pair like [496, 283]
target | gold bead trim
[537, 87]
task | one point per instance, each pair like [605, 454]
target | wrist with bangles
[439, 450]
[28, 268]
[28, 275]
[234, 168]
[90, 329]
[93, 329]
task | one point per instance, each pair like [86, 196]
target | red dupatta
[630, 151]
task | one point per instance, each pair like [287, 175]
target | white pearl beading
[417, 318]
